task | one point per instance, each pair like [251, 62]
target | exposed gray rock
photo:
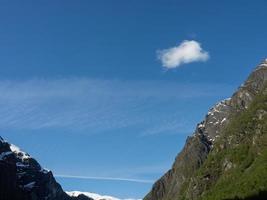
[198, 146]
[22, 177]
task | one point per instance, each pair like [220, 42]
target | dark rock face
[8, 183]
[22, 178]
[171, 185]
[194, 153]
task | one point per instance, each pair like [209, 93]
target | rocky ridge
[22, 177]
[198, 146]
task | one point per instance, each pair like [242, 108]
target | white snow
[19, 164]
[29, 185]
[218, 107]
[223, 120]
[263, 64]
[91, 195]
[4, 154]
[201, 126]
[210, 112]
[247, 94]
[45, 171]
[20, 154]
[23, 156]
[95, 196]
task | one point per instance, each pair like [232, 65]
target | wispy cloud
[105, 178]
[96, 105]
[186, 52]
[170, 126]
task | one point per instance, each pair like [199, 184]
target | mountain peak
[262, 65]
[180, 179]
[91, 195]
[23, 178]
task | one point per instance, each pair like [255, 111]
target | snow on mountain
[29, 177]
[19, 153]
[94, 196]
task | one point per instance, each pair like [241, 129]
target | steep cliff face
[186, 179]
[22, 178]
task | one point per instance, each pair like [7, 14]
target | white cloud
[186, 52]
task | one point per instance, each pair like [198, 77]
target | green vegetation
[236, 168]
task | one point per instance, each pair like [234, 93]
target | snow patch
[94, 196]
[263, 64]
[29, 185]
[4, 154]
[223, 120]
[21, 165]
[201, 125]
[45, 171]
[20, 154]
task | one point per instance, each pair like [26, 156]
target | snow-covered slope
[94, 196]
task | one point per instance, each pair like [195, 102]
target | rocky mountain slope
[22, 178]
[226, 157]
[91, 195]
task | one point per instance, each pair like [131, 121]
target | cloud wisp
[94, 106]
[105, 178]
[186, 52]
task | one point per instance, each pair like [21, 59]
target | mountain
[91, 195]
[226, 157]
[94, 196]
[22, 178]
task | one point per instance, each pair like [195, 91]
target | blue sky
[86, 89]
